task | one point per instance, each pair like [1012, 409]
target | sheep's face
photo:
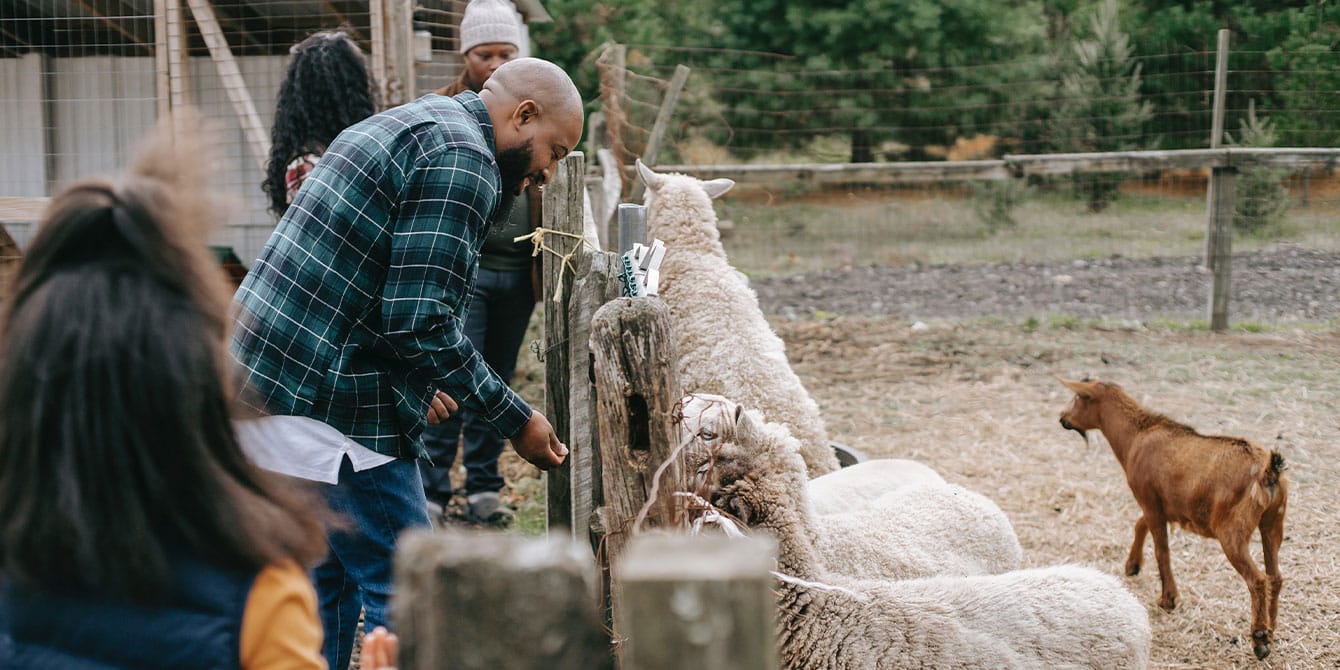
[1082, 415]
[735, 484]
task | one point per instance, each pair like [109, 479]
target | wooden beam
[22, 209]
[653, 148]
[233, 83]
[349, 25]
[141, 41]
[841, 173]
[1015, 166]
[13, 36]
[172, 65]
[237, 26]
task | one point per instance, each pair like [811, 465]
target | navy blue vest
[199, 626]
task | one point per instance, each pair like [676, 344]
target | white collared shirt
[302, 447]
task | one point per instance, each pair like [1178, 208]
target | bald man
[349, 331]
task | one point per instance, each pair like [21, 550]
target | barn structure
[82, 80]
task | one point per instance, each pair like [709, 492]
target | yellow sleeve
[280, 628]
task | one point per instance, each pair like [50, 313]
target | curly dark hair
[325, 90]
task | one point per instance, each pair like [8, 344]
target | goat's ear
[649, 177]
[716, 188]
[1082, 389]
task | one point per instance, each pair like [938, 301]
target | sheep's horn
[650, 178]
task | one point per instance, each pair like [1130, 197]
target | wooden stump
[483, 601]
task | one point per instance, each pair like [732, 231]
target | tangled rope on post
[536, 238]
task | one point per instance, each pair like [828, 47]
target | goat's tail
[1276, 469]
[1268, 488]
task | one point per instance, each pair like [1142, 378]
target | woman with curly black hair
[325, 90]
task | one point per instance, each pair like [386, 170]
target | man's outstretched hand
[538, 444]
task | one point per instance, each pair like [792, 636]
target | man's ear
[527, 111]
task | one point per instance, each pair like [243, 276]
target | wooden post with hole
[697, 602]
[477, 601]
[635, 365]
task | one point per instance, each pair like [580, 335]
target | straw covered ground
[979, 401]
[972, 392]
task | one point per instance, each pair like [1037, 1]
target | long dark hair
[325, 90]
[118, 453]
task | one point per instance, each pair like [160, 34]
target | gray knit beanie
[489, 22]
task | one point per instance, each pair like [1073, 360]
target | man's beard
[513, 167]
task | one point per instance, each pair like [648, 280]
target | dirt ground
[972, 392]
[978, 401]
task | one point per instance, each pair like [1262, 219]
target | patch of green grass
[790, 230]
[1064, 322]
[530, 510]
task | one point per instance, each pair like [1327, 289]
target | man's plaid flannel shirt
[353, 314]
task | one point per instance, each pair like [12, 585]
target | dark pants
[378, 503]
[500, 309]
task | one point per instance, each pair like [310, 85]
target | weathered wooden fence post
[480, 601]
[589, 281]
[1220, 200]
[635, 370]
[697, 602]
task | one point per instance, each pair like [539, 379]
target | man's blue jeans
[378, 504]
[495, 324]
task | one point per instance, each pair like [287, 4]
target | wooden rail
[1014, 166]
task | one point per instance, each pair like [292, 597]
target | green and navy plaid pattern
[353, 313]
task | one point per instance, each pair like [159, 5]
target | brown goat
[1217, 487]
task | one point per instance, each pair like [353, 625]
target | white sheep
[1057, 617]
[923, 530]
[723, 342]
[920, 526]
[857, 486]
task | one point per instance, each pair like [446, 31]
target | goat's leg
[1272, 535]
[1158, 527]
[1137, 554]
[1235, 544]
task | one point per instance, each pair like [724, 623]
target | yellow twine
[536, 238]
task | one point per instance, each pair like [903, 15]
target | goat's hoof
[1168, 603]
[1132, 569]
[1262, 646]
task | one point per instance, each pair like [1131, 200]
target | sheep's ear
[717, 187]
[650, 178]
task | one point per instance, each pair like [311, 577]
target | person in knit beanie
[490, 36]
[501, 303]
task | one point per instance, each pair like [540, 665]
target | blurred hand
[441, 408]
[538, 444]
[380, 649]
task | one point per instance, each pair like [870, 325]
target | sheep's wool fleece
[725, 345]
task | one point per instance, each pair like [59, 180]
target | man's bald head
[539, 80]
[537, 117]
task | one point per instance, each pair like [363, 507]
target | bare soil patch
[1277, 285]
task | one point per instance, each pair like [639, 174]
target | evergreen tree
[1261, 196]
[1101, 109]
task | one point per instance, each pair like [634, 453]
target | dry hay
[979, 402]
